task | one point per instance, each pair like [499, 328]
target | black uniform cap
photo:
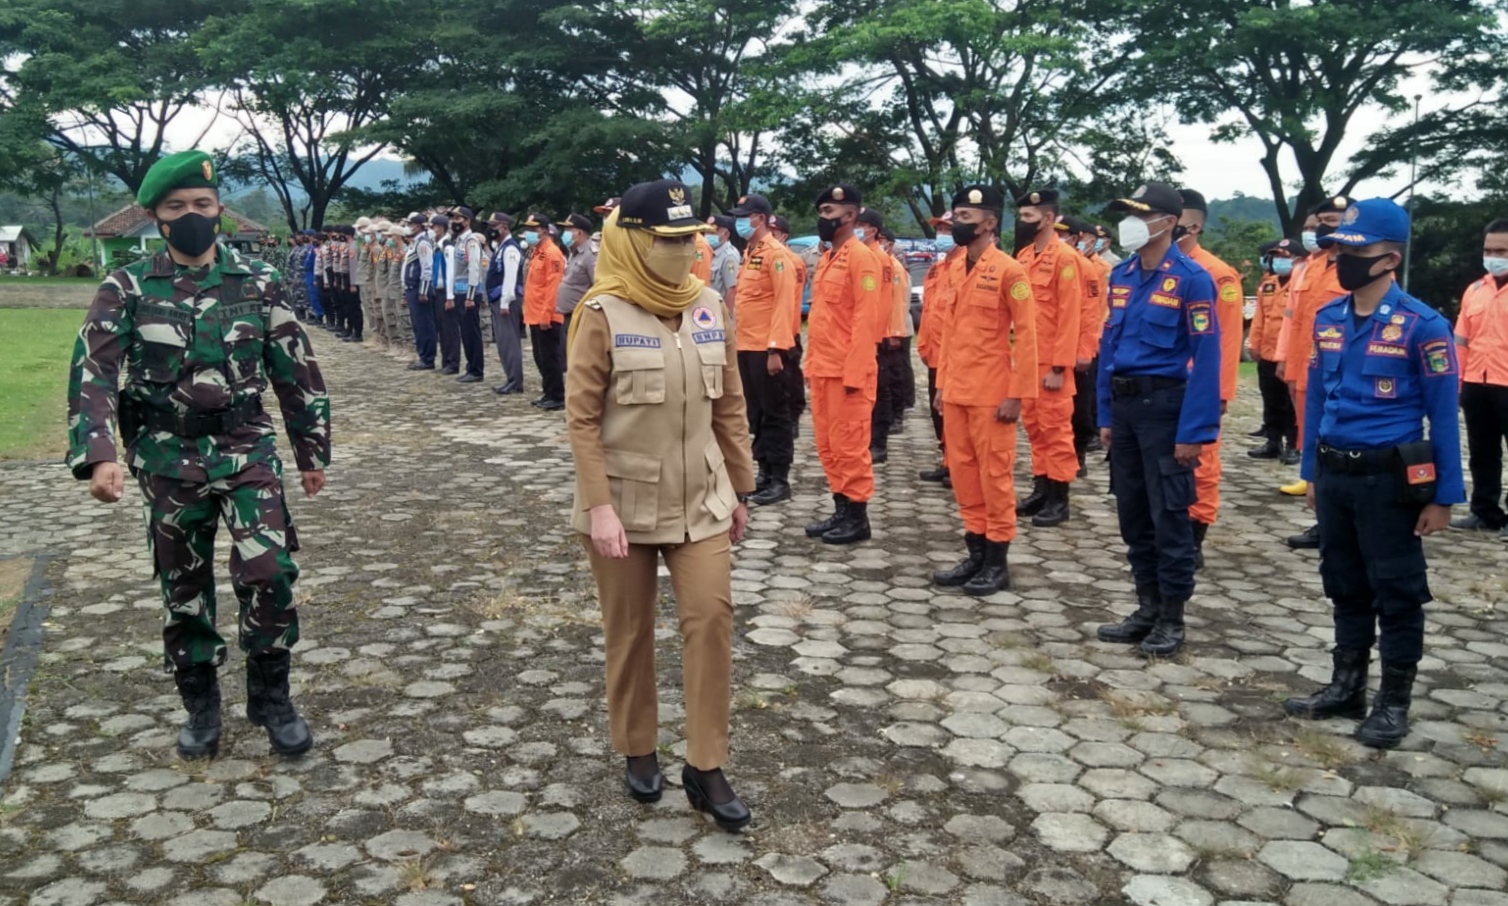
[780, 224]
[578, 221]
[1334, 204]
[537, 220]
[1036, 197]
[464, 213]
[440, 220]
[840, 194]
[872, 217]
[980, 196]
[1193, 201]
[500, 219]
[1158, 197]
[721, 222]
[752, 204]
[662, 207]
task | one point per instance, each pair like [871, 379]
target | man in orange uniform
[546, 270]
[1482, 336]
[983, 382]
[937, 304]
[1057, 285]
[1228, 299]
[780, 228]
[1080, 236]
[847, 300]
[765, 293]
[701, 266]
[1315, 288]
[887, 357]
[1279, 421]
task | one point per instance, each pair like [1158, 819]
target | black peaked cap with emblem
[1335, 203]
[840, 194]
[722, 222]
[752, 204]
[872, 217]
[579, 221]
[1036, 197]
[980, 196]
[662, 207]
[1154, 197]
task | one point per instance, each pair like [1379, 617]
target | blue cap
[1369, 221]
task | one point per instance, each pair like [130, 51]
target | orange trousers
[1049, 430]
[981, 454]
[1207, 485]
[840, 422]
[700, 576]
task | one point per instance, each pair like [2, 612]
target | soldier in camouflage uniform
[200, 332]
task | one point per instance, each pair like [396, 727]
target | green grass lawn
[51, 281]
[35, 346]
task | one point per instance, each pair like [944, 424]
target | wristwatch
[744, 498]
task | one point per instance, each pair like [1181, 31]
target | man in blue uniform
[1383, 363]
[1159, 404]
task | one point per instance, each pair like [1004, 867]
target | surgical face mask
[1282, 266]
[1497, 267]
[861, 234]
[714, 240]
[192, 234]
[1354, 272]
[944, 243]
[1311, 241]
[1134, 233]
[670, 261]
[744, 227]
[1100, 245]
[568, 239]
[531, 237]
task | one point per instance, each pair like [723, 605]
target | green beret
[184, 170]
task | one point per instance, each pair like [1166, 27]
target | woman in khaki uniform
[660, 437]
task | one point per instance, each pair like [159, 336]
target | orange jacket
[795, 261]
[1268, 324]
[887, 288]
[542, 285]
[993, 300]
[763, 298]
[701, 268]
[1096, 305]
[1482, 333]
[1228, 302]
[1059, 291]
[848, 299]
[897, 320]
[1319, 286]
[937, 309]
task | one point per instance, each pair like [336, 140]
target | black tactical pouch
[1416, 462]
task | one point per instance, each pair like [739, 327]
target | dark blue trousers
[471, 336]
[1372, 564]
[1153, 492]
[450, 331]
[316, 304]
[422, 314]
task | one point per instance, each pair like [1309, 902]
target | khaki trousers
[700, 576]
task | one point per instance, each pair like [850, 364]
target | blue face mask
[744, 227]
[1282, 266]
[861, 234]
[531, 237]
[944, 243]
[1310, 240]
[568, 239]
[714, 240]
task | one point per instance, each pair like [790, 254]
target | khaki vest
[664, 465]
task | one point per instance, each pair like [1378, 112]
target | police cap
[500, 219]
[780, 224]
[464, 213]
[872, 217]
[721, 222]
[416, 217]
[1154, 197]
[578, 221]
[1193, 201]
[840, 194]
[980, 196]
[440, 220]
[537, 220]
[662, 207]
[752, 204]
[1369, 221]
[1036, 197]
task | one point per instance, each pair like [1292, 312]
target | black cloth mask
[192, 234]
[827, 228]
[965, 233]
[1353, 271]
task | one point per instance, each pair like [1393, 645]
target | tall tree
[1294, 74]
[107, 80]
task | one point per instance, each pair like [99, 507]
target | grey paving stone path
[898, 744]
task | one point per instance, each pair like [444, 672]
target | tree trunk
[55, 201]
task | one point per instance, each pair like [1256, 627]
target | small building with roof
[16, 243]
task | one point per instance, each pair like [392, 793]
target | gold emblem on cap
[838, 193]
[209, 170]
[975, 196]
[1035, 198]
[1139, 192]
[678, 196]
[1340, 203]
[743, 199]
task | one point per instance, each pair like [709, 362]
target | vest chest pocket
[634, 481]
[161, 349]
[638, 376]
[714, 360]
[244, 338]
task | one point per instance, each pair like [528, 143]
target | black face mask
[827, 227]
[1026, 233]
[457, 228]
[1179, 232]
[1353, 271]
[192, 234]
[965, 233]
[1323, 230]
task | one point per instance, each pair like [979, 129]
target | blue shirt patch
[634, 339]
[709, 336]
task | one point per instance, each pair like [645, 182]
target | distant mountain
[370, 177]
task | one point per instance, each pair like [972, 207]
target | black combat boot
[970, 567]
[762, 478]
[777, 487]
[1135, 627]
[935, 475]
[853, 528]
[879, 455]
[1346, 696]
[1055, 510]
[1166, 636]
[1270, 450]
[1032, 503]
[1291, 455]
[818, 529]
[995, 575]
[268, 704]
[199, 687]
[1200, 530]
[1081, 453]
[1307, 540]
[1388, 723]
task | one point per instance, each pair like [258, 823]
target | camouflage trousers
[182, 518]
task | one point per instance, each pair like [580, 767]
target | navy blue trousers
[1153, 492]
[421, 312]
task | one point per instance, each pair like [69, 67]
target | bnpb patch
[703, 317]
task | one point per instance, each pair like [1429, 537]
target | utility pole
[1408, 247]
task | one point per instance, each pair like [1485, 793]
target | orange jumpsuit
[937, 312]
[980, 367]
[765, 287]
[1308, 293]
[1267, 326]
[542, 285]
[1096, 308]
[1058, 289]
[1228, 313]
[701, 268]
[848, 301]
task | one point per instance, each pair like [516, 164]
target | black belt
[1358, 462]
[1137, 385]
[201, 424]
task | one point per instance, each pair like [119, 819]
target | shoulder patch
[869, 283]
[1021, 290]
[1070, 272]
[1230, 293]
[1200, 320]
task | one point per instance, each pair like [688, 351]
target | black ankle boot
[1346, 696]
[1290, 455]
[731, 815]
[818, 529]
[995, 575]
[968, 569]
[854, 527]
[1200, 530]
[268, 704]
[1135, 627]
[1055, 510]
[644, 787]
[1270, 450]
[1033, 503]
[934, 475]
[777, 487]
[1388, 723]
[1166, 636]
[762, 478]
[199, 686]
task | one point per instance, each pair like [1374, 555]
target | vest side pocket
[634, 481]
[721, 498]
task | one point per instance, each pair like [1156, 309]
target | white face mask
[1133, 233]
[1310, 240]
[1497, 267]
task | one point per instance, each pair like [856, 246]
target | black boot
[966, 570]
[1200, 530]
[879, 455]
[1083, 466]
[853, 528]
[1388, 723]
[777, 487]
[1055, 510]
[995, 575]
[199, 687]
[1135, 627]
[1033, 503]
[1308, 540]
[268, 704]
[1270, 450]
[935, 475]
[818, 529]
[762, 478]
[1166, 636]
[1290, 455]
[1346, 696]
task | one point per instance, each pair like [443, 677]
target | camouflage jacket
[185, 349]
